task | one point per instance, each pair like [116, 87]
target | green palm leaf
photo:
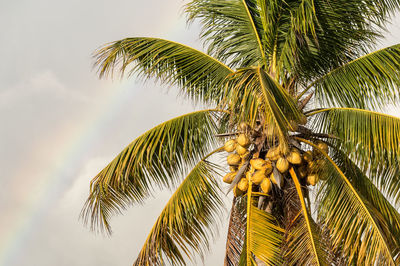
[371, 80]
[304, 239]
[253, 94]
[387, 178]
[370, 137]
[186, 223]
[196, 73]
[371, 193]
[263, 236]
[231, 29]
[354, 226]
[159, 157]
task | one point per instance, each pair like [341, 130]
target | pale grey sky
[60, 125]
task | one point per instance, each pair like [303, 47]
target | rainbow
[43, 192]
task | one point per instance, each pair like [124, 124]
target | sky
[60, 125]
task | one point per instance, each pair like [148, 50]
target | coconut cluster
[269, 167]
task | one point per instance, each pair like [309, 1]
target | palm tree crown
[292, 89]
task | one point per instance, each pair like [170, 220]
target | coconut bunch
[270, 166]
[267, 165]
[306, 163]
[239, 153]
[313, 163]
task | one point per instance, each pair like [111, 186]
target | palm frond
[252, 94]
[231, 29]
[370, 193]
[236, 232]
[274, 111]
[313, 37]
[355, 228]
[371, 80]
[304, 239]
[198, 75]
[251, 10]
[371, 138]
[263, 235]
[188, 220]
[242, 97]
[158, 158]
[387, 177]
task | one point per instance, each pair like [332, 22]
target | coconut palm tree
[293, 90]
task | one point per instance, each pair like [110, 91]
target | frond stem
[255, 31]
[354, 192]
[305, 213]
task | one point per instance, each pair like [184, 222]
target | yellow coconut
[241, 150]
[268, 168]
[308, 156]
[257, 177]
[243, 126]
[266, 185]
[237, 192]
[273, 154]
[233, 159]
[294, 157]
[303, 171]
[243, 184]
[230, 145]
[282, 165]
[312, 179]
[228, 178]
[258, 163]
[322, 146]
[243, 140]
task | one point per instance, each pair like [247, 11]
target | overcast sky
[60, 125]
